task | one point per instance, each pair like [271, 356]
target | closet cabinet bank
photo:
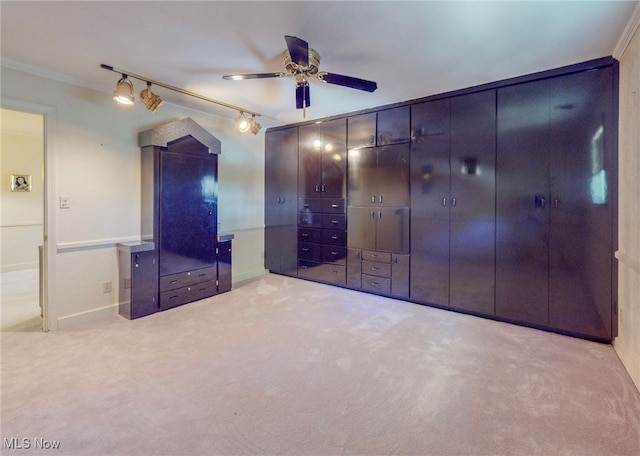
[178, 259]
[497, 200]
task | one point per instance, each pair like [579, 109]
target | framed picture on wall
[21, 182]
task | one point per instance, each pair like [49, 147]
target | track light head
[242, 123]
[124, 92]
[150, 99]
[255, 126]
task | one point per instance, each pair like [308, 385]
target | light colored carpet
[284, 366]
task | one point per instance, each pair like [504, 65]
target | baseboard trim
[630, 364]
[241, 279]
[89, 316]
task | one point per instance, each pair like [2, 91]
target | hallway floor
[19, 295]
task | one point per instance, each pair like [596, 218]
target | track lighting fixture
[242, 123]
[150, 99]
[124, 95]
[255, 126]
[124, 91]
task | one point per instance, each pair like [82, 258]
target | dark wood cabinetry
[497, 200]
[453, 202]
[555, 205]
[281, 200]
[178, 260]
[138, 268]
[322, 222]
[389, 126]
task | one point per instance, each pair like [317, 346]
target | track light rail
[177, 89]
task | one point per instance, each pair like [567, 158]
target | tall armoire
[179, 203]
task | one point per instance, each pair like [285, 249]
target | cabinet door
[522, 230]
[392, 229]
[361, 131]
[394, 125]
[281, 170]
[354, 268]
[580, 255]
[224, 266]
[472, 211]
[144, 284]
[429, 188]
[363, 164]
[188, 210]
[334, 159]
[392, 176]
[362, 228]
[400, 275]
[309, 160]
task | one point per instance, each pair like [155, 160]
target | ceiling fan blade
[303, 96]
[239, 77]
[348, 81]
[298, 50]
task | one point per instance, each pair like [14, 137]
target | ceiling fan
[302, 62]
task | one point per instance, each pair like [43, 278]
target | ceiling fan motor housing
[294, 68]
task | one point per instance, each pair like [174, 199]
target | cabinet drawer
[376, 269]
[332, 273]
[333, 206]
[380, 257]
[184, 279]
[334, 237]
[173, 298]
[309, 219]
[334, 254]
[306, 234]
[334, 221]
[310, 204]
[376, 284]
[306, 268]
[309, 251]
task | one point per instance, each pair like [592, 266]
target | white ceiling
[411, 49]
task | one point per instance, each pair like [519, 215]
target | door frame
[49, 238]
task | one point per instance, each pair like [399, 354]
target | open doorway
[22, 227]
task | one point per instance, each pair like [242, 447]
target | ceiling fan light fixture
[150, 99]
[124, 91]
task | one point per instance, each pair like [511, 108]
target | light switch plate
[65, 202]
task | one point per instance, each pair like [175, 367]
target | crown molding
[627, 34]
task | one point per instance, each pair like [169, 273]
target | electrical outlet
[106, 287]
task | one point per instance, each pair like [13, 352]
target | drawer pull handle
[305, 234]
[173, 297]
[174, 281]
[304, 249]
[375, 284]
[373, 268]
[335, 206]
[335, 222]
[202, 275]
[335, 238]
[334, 253]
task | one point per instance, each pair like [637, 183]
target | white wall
[94, 160]
[627, 344]
[21, 213]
